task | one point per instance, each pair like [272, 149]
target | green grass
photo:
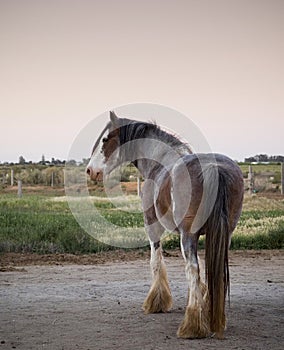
[261, 168]
[34, 224]
[261, 226]
[44, 225]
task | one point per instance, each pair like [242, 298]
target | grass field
[261, 168]
[42, 224]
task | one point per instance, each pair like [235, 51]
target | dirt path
[99, 306]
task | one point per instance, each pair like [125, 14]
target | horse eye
[104, 139]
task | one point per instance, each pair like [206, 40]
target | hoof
[159, 299]
[195, 324]
[219, 335]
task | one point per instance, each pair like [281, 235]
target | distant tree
[72, 162]
[85, 161]
[264, 158]
[279, 159]
[250, 160]
[22, 160]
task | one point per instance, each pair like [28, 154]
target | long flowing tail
[217, 240]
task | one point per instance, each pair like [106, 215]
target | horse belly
[163, 205]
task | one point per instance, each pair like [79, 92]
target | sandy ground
[57, 304]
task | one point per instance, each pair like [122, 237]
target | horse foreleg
[159, 298]
[196, 322]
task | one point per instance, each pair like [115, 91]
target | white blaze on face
[97, 162]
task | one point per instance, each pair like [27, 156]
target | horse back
[206, 176]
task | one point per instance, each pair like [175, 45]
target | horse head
[105, 153]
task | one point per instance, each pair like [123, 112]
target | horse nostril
[88, 171]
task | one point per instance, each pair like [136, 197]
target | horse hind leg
[196, 322]
[159, 298]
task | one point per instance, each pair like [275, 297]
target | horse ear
[114, 118]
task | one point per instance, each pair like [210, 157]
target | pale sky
[64, 62]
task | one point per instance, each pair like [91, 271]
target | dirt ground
[94, 302]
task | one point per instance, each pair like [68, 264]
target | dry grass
[255, 202]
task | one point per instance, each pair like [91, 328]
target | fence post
[250, 178]
[20, 193]
[12, 177]
[138, 185]
[64, 175]
[282, 178]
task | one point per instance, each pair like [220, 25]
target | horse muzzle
[95, 174]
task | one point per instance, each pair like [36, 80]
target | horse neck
[153, 154]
